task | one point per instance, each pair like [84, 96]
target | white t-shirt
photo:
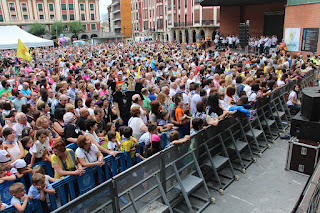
[136, 123]
[247, 89]
[39, 148]
[112, 146]
[3, 157]
[252, 96]
[90, 156]
[291, 95]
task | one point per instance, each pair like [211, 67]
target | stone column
[171, 35]
[184, 39]
[190, 36]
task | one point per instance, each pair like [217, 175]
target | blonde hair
[69, 107]
[39, 103]
[16, 188]
[38, 169]
[228, 80]
[37, 178]
[40, 121]
[161, 98]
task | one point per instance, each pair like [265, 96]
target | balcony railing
[183, 24]
[207, 22]
[197, 2]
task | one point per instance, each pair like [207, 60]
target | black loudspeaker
[310, 107]
[305, 129]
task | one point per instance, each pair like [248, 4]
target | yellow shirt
[70, 162]
[127, 145]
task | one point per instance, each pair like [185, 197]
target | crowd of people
[106, 98]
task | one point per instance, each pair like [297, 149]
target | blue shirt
[26, 92]
[35, 193]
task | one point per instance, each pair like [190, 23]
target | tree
[75, 27]
[57, 28]
[37, 29]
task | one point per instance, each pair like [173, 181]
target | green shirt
[9, 91]
[146, 103]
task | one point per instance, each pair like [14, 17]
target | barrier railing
[158, 181]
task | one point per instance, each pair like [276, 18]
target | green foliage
[75, 27]
[57, 28]
[37, 29]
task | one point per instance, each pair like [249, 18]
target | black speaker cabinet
[310, 107]
[305, 129]
[303, 155]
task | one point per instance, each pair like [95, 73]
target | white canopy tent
[9, 36]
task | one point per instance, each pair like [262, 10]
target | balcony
[116, 11]
[207, 22]
[117, 26]
[116, 19]
[115, 2]
[183, 24]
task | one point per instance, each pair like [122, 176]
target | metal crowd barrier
[170, 180]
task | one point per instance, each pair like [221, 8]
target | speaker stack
[303, 152]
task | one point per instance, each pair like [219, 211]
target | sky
[103, 8]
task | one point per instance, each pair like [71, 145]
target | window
[51, 7]
[93, 26]
[1, 18]
[91, 6]
[40, 7]
[11, 6]
[161, 11]
[25, 17]
[82, 7]
[92, 17]
[71, 17]
[51, 16]
[70, 6]
[84, 27]
[63, 7]
[13, 17]
[64, 17]
[186, 3]
[83, 17]
[24, 7]
[41, 16]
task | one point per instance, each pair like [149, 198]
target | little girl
[39, 150]
[163, 122]
[27, 143]
[40, 169]
[114, 144]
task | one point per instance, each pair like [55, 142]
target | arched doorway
[187, 36]
[194, 35]
[84, 37]
[167, 38]
[94, 35]
[174, 36]
[202, 35]
[73, 38]
[180, 36]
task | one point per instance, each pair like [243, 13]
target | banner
[309, 41]
[292, 39]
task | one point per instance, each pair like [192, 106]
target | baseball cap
[18, 164]
[155, 138]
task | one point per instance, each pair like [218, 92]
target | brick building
[169, 20]
[26, 12]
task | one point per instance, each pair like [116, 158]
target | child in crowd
[163, 122]
[39, 188]
[197, 125]
[39, 150]
[179, 113]
[6, 175]
[19, 196]
[155, 147]
[174, 138]
[4, 154]
[128, 143]
[27, 143]
[3, 205]
[146, 137]
[114, 143]
[40, 169]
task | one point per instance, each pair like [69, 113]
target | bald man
[26, 90]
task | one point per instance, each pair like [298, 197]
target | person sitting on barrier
[114, 143]
[174, 138]
[207, 119]
[88, 153]
[155, 147]
[146, 137]
[64, 161]
[293, 101]
[39, 189]
[19, 196]
[197, 125]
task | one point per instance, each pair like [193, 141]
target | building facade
[174, 20]
[120, 18]
[26, 12]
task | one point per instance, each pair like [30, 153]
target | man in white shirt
[195, 98]
[137, 102]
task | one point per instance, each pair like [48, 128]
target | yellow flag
[139, 71]
[23, 51]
